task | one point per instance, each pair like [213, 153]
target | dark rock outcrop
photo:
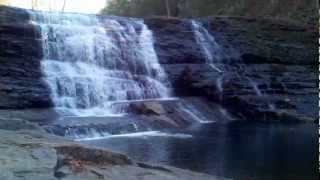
[21, 79]
[175, 41]
[267, 40]
[270, 66]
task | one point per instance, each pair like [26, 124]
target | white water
[139, 135]
[255, 87]
[194, 113]
[226, 114]
[90, 64]
[210, 48]
[220, 84]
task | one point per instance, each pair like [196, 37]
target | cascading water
[214, 54]
[92, 63]
[210, 48]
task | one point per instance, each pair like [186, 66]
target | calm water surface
[240, 150]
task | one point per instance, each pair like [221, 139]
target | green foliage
[140, 8]
[117, 7]
[304, 11]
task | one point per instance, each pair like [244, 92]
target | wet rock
[147, 108]
[171, 115]
[278, 56]
[18, 124]
[267, 64]
[91, 156]
[41, 116]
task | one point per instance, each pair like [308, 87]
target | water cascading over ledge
[95, 66]
[179, 52]
[210, 48]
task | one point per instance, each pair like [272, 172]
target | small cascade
[220, 84]
[91, 63]
[255, 87]
[84, 129]
[210, 48]
[194, 112]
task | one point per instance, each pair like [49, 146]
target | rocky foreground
[27, 152]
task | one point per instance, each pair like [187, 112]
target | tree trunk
[168, 9]
[64, 5]
[50, 5]
[32, 4]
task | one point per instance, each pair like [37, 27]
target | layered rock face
[266, 67]
[21, 84]
[269, 67]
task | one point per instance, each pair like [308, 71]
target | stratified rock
[40, 115]
[260, 41]
[175, 41]
[268, 64]
[17, 124]
[21, 79]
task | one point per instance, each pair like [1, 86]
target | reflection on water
[240, 150]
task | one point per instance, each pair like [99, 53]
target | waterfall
[90, 63]
[210, 48]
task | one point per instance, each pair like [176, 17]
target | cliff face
[269, 66]
[21, 84]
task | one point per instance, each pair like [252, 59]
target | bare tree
[168, 8]
[50, 5]
[34, 4]
[64, 5]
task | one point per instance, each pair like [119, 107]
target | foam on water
[139, 135]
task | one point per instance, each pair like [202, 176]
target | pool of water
[239, 150]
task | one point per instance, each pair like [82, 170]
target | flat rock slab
[34, 155]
